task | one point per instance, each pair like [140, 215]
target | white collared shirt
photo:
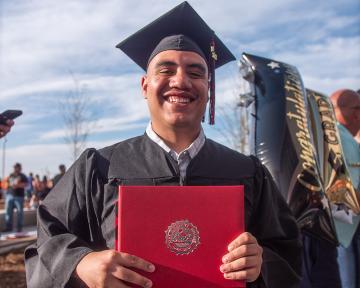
[184, 157]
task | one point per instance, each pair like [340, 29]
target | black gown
[78, 215]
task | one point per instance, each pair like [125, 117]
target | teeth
[176, 99]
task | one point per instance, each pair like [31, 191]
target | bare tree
[234, 119]
[75, 109]
[233, 126]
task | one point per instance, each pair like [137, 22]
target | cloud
[41, 41]
[104, 125]
[54, 44]
[48, 157]
[109, 92]
[334, 62]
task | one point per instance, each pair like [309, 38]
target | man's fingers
[116, 283]
[244, 260]
[240, 264]
[244, 238]
[110, 268]
[130, 276]
[9, 122]
[242, 251]
[4, 128]
[128, 260]
[249, 275]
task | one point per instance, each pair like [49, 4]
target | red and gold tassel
[213, 58]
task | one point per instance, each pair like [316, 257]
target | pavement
[13, 241]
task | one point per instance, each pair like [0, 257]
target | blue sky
[41, 41]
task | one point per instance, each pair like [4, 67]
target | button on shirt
[184, 157]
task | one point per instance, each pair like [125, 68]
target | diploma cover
[183, 230]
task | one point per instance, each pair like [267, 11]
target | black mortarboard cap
[189, 33]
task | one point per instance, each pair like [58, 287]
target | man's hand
[108, 268]
[243, 262]
[4, 129]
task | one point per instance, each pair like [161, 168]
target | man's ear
[144, 86]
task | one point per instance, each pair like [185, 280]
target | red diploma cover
[183, 230]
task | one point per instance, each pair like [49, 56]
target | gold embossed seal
[182, 237]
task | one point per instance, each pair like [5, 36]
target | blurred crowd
[19, 191]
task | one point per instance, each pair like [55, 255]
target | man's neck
[178, 138]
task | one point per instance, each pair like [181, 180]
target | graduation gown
[78, 215]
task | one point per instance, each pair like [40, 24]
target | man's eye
[196, 74]
[166, 71]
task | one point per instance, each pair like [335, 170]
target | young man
[62, 170]
[76, 221]
[15, 198]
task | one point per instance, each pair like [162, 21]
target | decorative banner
[282, 140]
[334, 172]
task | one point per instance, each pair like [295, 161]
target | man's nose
[180, 80]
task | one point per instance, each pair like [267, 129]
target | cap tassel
[213, 58]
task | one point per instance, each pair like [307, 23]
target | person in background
[38, 190]
[4, 186]
[46, 186]
[15, 198]
[346, 104]
[29, 190]
[62, 170]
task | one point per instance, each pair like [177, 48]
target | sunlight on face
[176, 88]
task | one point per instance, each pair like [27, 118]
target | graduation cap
[179, 29]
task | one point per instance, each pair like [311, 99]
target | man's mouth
[177, 99]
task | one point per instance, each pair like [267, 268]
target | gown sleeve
[276, 230]
[66, 218]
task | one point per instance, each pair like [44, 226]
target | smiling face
[176, 88]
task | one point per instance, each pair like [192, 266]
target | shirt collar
[193, 148]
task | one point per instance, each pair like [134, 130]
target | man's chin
[183, 122]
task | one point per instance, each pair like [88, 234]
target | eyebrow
[199, 66]
[165, 63]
